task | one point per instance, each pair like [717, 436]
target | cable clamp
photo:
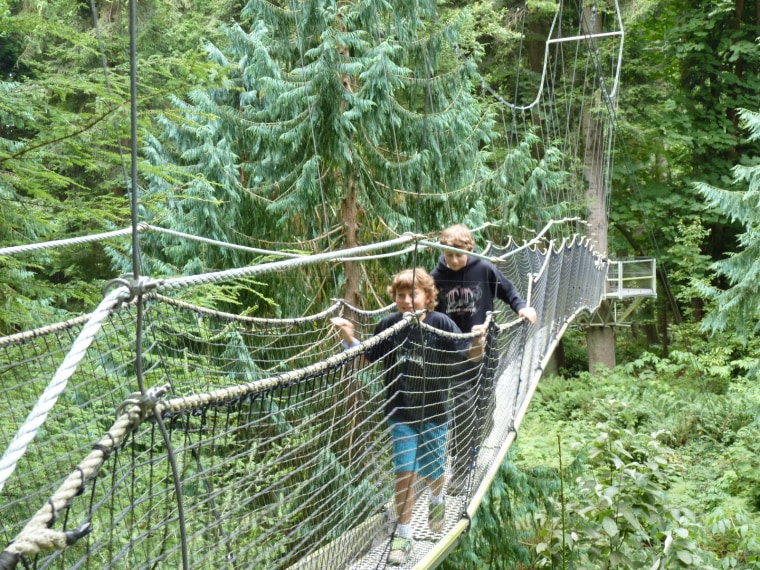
[139, 286]
[143, 285]
[9, 560]
[146, 402]
[467, 516]
[415, 236]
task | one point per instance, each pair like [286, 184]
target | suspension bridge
[160, 433]
[257, 442]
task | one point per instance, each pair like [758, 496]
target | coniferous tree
[64, 121]
[738, 307]
[701, 60]
[332, 125]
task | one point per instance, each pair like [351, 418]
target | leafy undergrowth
[646, 466]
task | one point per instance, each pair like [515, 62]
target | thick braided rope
[142, 227]
[205, 279]
[222, 243]
[57, 385]
[36, 537]
[64, 242]
[12, 339]
[368, 313]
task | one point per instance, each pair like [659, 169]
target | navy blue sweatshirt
[417, 367]
[467, 295]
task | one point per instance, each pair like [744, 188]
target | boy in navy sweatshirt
[417, 387]
[467, 286]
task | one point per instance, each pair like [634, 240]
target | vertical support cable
[133, 134]
[136, 275]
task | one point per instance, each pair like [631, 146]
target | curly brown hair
[415, 278]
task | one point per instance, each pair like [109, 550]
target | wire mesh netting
[260, 443]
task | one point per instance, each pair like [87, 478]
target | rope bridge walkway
[256, 443]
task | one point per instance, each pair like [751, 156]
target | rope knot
[146, 402]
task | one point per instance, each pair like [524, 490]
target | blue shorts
[420, 448]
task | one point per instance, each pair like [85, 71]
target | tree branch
[68, 136]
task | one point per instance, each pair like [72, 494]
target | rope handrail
[142, 227]
[47, 329]
[301, 380]
[214, 277]
[16, 249]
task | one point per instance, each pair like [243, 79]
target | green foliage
[712, 80]
[737, 308]
[735, 535]
[662, 472]
[616, 514]
[532, 180]
[63, 129]
[498, 538]
[692, 56]
[293, 133]
[688, 262]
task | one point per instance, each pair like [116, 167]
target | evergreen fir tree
[331, 125]
[738, 306]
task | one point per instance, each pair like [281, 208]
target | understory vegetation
[655, 464]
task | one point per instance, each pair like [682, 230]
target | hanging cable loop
[115, 283]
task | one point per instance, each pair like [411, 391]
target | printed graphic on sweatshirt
[463, 300]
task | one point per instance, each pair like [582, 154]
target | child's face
[455, 261]
[408, 303]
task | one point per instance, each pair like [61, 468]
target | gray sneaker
[401, 548]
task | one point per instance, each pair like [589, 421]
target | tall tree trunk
[600, 339]
[663, 317]
[349, 217]
[349, 209]
[557, 361]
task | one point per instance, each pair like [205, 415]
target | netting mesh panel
[198, 350]
[260, 475]
[280, 437]
[267, 478]
[80, 416]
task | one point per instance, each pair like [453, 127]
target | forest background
[652, 464]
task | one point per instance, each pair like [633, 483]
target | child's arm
[507, 292]
[475, 354]
[346, 331]
[348, 340]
